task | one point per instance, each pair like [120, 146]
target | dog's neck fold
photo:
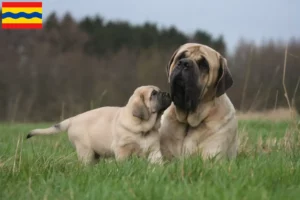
[205, 112]
[137, 125]
[193, 119]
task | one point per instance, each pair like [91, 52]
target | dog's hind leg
[85, 154]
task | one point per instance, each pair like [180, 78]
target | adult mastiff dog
[201, 119]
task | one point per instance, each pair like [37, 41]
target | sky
[254, 20]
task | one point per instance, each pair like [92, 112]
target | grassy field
[268, 167]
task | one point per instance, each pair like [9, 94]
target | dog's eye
[203, 64]
[154, 92]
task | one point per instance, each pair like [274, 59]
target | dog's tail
[57, 128]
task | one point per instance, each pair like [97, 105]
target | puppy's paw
[156, 158]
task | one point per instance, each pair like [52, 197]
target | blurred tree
[257, 72]
[71, 37]
[70, 67]
[171, 37]
[220, 45]
[202, 37]
[147, 35]
[207, 39]
[51, 22]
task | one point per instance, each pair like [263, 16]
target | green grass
[46, 167]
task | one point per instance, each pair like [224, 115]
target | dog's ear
[224, 81]
[139, 109]
[170, 62]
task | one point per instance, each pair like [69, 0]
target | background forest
[72, 66]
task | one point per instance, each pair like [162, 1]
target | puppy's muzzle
[164, 100]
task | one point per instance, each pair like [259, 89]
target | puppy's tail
[57, 128]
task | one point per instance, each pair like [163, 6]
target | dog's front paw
[155, 157]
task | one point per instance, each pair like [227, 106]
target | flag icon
[22, 15]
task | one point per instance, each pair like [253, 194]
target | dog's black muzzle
[185, 90]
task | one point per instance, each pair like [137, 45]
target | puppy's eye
[154, 92]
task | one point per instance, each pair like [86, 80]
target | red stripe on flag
[22, 4]
[22, 26]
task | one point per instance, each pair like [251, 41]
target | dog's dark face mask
[193, 79]
[186, 84]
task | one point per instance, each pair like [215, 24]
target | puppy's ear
[170, 62]
[139, 109]
[224, 81]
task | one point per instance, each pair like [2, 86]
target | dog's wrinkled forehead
[196, 52]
